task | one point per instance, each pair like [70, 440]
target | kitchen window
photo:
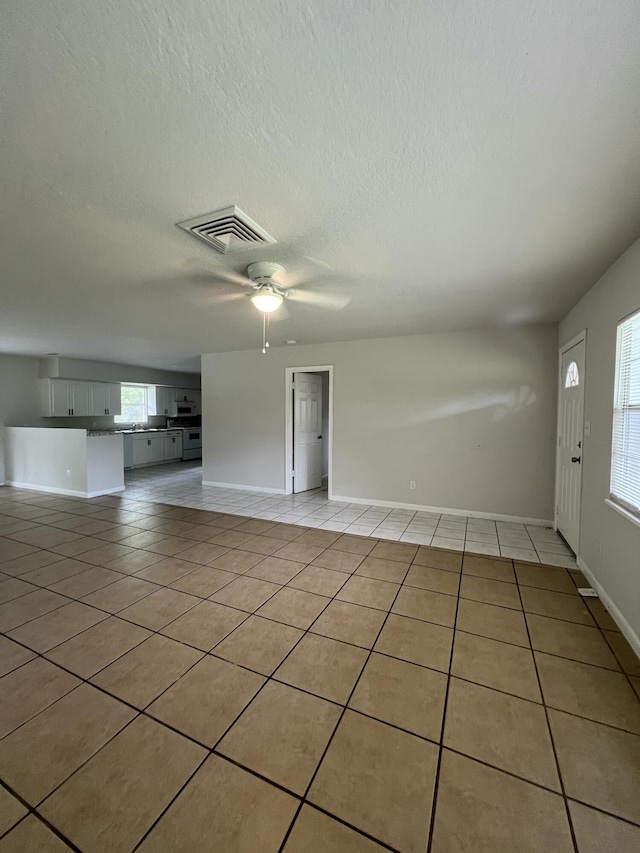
[135, 405]
[625, 452]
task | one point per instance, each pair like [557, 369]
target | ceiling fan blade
[224, 298]
[332, 301]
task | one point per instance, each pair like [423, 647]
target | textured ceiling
[451, 164]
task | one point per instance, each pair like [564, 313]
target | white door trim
[288, 423]
[581, 336]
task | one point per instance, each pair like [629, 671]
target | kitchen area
[93, 431]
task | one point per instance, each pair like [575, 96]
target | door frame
[288, 425]
[581, 336]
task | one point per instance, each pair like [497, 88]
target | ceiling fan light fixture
[266, 300]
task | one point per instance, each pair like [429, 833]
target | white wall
[19, 400]
[41, 458]
[609, 543]
[470, 416]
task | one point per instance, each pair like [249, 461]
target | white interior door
[570, 437]
[307, 431]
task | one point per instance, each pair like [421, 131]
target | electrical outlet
[412, 484]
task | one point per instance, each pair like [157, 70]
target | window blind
[625, 452]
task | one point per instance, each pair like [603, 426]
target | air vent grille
[228, 230]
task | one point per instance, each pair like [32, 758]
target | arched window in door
[573, 376]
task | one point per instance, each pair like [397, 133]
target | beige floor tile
[319, 580]
[51, 574]
[276, 570]
[44, 752]
[380, 780]
[299, 552]
[382, 569]
[98, 646]
[57, 626]
[338, 561]
[85, 582]
[490, 592]
[504, 731]
[589, 691]
[488, 567]
[224, 808]
[265, 545]
[11, 810]
[132, 563]
[426, 605]
[437, 580]
[230, 538]
[204, 581]
[627, 658]
[369, 592]
[169, 545]
[635, 682]
[204, 625]
[246, 593]
[145, 672]
[236, 561]
[124, 788]
[259, 644]
[13, 588]
[159, 608]
[32, 836]
[319, 538]
[323, 666]
[30, 562]
[106, 552]
[566, 639]
[600, 833]
[403, 552]
[166, 570]
[354, 544]
[207, 699]
[30, 689]
[557, 605]
[417, 642]
[21, 610]
[482, 810]
[294, 607]
[203, 552]
[403, 694]
[120, 594]
[12, 655]
[545, 577]
[601, 615]
[255, 526]
[438, 558]
[501, 666]
[282, 735]
[497, 623]
[600, 765]
[349, 623]
[315, 832]
[12, 550]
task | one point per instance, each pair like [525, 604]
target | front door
[307, 431]
[570, 428]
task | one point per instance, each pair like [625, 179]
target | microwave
[183, 409]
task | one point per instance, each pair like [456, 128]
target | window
[572, 378]
[625, 452]
[135, 404]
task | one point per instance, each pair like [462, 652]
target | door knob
[319, 436]
[575, 459]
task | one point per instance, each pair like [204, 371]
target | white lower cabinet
[144, 449]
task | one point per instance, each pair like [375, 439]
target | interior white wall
[41, 458]
[470, 416]
[609, 543]
[19, 399]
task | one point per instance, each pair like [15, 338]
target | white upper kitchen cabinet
[105, 399]
[65, 398]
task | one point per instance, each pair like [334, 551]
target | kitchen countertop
[92, 432]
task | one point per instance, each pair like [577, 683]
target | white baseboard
[632, 638]
[70, 493]
[243, 488]
[519, 519]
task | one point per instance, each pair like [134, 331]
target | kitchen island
[64, 461]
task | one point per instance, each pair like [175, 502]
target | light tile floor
[181, 485]
[178, 679]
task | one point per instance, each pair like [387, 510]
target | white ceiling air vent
[228, 230]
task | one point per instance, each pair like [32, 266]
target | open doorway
[308, 428]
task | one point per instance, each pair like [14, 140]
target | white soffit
[451, 165]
